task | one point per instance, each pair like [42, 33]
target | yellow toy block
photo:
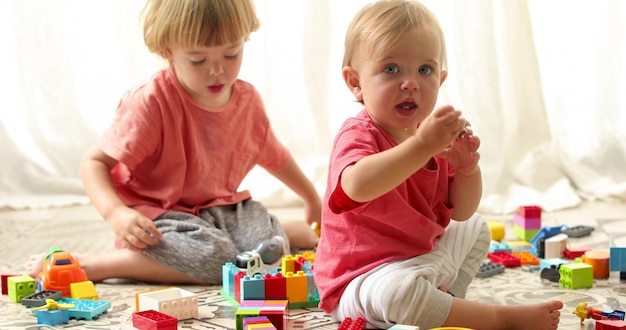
[297, 287]
[497, 230]
[83, 290]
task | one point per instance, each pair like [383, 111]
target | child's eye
[391, 69]
[425, 69]
[231, 57]
[197, 62]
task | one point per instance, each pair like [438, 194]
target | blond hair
[382, 23]
[197, 23]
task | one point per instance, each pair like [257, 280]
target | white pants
[406, 291]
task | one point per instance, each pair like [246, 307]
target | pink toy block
[610, 325]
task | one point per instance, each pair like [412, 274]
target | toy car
[267, 256]
[60, 270]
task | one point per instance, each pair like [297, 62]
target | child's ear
[351, 77]
[444, 75]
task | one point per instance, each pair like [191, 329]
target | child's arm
[291, 175]
[131, 229]
[466, 189]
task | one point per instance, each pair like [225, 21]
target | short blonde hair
[382, 23]
[197, 23]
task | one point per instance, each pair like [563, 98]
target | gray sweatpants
[200, 245]
[406, 291]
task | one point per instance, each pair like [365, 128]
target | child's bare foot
[542, 316]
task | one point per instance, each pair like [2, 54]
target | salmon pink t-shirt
[357, 237]
[175, 155]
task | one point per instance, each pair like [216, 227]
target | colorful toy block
[617, 259]
[83, 290]
[275, 310]
[86, 309]
[545, 233]
[20, 287]
[610, 325]
[575, 252]
[352, 324]
[154, 320]
[53, 317]
[39, 298]
[497, 231]
[172, 301]
[504, 258]
[576, 276]
[257, 323]
[554, 246]
[4, 280]
[530, 211]
[526, 258]
[496, 246]
[599, 260]
[488, 269]
[613, 314]
[578, 231]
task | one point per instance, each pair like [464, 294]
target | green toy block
[576, 276]
[524, 234]
[20, 287]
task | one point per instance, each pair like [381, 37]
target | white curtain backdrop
[542, 82]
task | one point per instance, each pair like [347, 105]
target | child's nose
[216, 69]
[410, 85]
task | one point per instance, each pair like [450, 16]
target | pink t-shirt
[357, 237]
[175, 155]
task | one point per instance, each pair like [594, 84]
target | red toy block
[275, 286]
[504, 258]
[610, 325]
[154, 320]
[5, 280]
[530, 211]
[351, 324]
[575, 252]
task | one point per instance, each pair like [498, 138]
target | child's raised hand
[441, 128]
[133, 230]
[463, 153]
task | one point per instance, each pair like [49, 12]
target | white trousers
[406, 291]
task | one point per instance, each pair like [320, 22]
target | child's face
[208, 73]
[399, 88]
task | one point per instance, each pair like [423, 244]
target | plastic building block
[154, 320]
[497, 230]
[496, 246]
[275, 286]
[552, 263]
[172, 301]
[60, 269]
[575, 252]
[265, 257]
[547, 232]
[20, 287]
[257, 323]
[4, 279]
[275, 310]
[617, 259]
[504, 258]
[578, 231]
[613, 314]
[551, 274]
[229, 270]
[53, 317]
[352, 324]
[610, 325]
[405, 327]
[576, 276]
[599, 260]
[297, 287]
[529, 211]
[83, 309]
[83, 290]
[526, 258]
[252, 288]
[527, 223]
[522, 246]
[39, 298]
[554, 246]
[488, 269]
[524, 234]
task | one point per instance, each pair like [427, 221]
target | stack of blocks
[258, 323]
[293, 282]
[527, 222]
[276, 312]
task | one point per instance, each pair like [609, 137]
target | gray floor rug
[21, 238]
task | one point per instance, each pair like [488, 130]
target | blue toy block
[496, 246]
[613, 314]
[86, 309]
[252, 288]
[556, 262]
[229, 270]
[547, 232]
[53, 317]
[617, 259]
